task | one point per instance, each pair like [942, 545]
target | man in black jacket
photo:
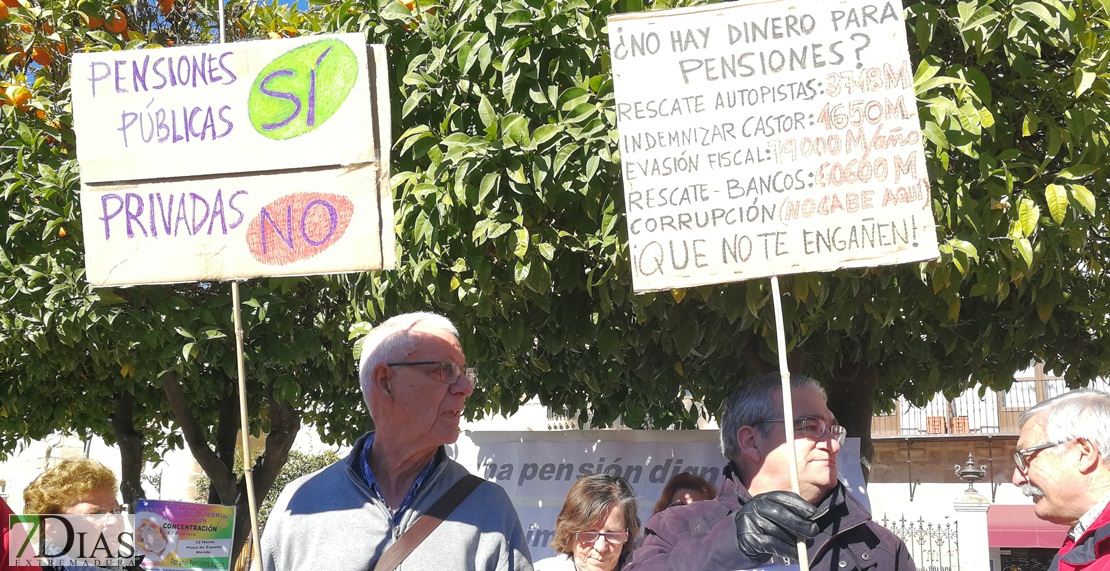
[755, 521]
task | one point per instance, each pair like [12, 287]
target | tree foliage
[510, 219]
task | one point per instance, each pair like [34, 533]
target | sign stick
[787, 409]
[248, 462]
[244, 425]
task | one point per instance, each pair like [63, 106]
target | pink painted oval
[298, 226]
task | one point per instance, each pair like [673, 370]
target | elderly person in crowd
[684, 488]
[597, 527]
[351, 515]
[755, 522]
[77, 487]
[1063, 463]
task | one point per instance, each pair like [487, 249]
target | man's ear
[1089, 459]
[383, 378]
[748, 439]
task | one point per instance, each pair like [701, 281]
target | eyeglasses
[449, 372]
[611, 537]
[105, 511]
[1025, 455]
[814, 427]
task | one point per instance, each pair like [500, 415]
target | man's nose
[1018, 478]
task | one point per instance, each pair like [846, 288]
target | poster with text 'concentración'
[769, 138]
[249, 159]
[184, 536]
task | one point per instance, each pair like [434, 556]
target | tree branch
[223, 481]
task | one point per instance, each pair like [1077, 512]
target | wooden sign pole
[787, 409]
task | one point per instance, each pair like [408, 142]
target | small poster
[182, 535]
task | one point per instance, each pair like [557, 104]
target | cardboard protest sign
[769, 138]
[182, 535]
[264, 158]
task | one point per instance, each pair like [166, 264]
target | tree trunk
[284, 425]
[851, 389]
[218, 464]
[130, 442]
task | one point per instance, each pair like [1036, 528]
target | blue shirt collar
[368, 476]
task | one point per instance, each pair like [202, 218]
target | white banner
[538, 468]
[768, 138]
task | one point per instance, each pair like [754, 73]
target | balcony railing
[992, 413]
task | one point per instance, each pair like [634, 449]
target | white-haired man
[754, 522]
[1063, 462]
[415, 382]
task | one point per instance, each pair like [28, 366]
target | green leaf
[1039, 10]
[1057, 198]
[1084, 197]
[486, 112]
[1029, 125]
[395, 11]
[187, 351]
[1028, 216]
[521, 235]
[520, 271]
[500, 229]
[561, 157]
[1079, 171]
[489, 182]
[544, 133]
[184, 332]
[1083, 81]
[1025, 250]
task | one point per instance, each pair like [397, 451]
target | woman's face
[683, 496]
[600, 554]
[96, 502]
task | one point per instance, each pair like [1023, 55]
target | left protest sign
[266, 158]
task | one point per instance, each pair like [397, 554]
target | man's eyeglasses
[449, 372]
[814, 427]
[611, 537]
[1023, 456]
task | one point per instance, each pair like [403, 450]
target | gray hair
[392, 341]
[1082, 413]
[754, 402]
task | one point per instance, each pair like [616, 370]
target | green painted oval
[301, 89]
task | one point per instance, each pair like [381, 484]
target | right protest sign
[768, 138]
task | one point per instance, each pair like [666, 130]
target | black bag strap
[427, 523]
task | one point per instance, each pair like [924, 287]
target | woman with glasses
[79, 487]
[597, 528]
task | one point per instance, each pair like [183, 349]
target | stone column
[971, 515]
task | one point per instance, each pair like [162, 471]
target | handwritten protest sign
[768, 138]
[265, 158]
[182, 535]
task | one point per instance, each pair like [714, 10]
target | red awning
[1019, 526]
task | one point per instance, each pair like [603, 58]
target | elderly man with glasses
[1063, 463]
[371, 507]
[755, 522]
